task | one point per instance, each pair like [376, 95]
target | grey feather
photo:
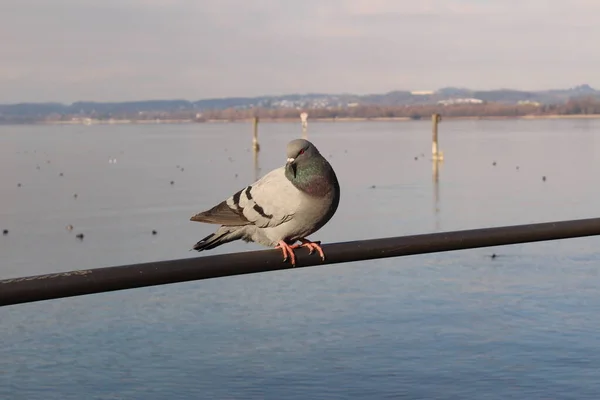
[223, 214]
[289, 203]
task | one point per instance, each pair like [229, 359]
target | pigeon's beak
[291, 165]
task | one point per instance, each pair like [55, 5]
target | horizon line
[298, 94]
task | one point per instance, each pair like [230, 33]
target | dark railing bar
[76, 283]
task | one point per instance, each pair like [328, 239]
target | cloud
[69, 50]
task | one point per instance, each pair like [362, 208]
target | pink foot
[287, 252]
[312, 246]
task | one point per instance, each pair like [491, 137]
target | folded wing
[269, 202]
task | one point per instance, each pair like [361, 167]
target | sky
[123, 50]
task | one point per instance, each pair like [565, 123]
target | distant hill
[28, 112]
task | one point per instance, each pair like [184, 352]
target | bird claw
[312, 246]
[287, 252]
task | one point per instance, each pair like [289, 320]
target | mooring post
[304, 119]
[437, 156]
[435, 153]
[255, 145]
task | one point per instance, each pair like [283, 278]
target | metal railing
[77, 283]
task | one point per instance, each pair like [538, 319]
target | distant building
[528, 103]
[422, 92]
[460, 101]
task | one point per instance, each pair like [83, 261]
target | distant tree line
[574, 106]
[588, 105]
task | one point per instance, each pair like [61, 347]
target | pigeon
[281, 208]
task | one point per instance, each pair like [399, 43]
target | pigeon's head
[300, 150]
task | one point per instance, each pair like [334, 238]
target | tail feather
[221, 236]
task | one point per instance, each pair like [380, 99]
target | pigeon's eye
[301, 151]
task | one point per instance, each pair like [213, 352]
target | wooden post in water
[304, 119]
[437, 157]
[435, 153]
[255, 145]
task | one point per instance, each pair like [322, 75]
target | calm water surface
[455, 325]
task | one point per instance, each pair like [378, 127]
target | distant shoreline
[290, 120]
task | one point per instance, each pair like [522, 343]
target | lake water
[455, 325]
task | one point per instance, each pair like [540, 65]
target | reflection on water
[255, 153]
[449, 325]
[436, 190]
